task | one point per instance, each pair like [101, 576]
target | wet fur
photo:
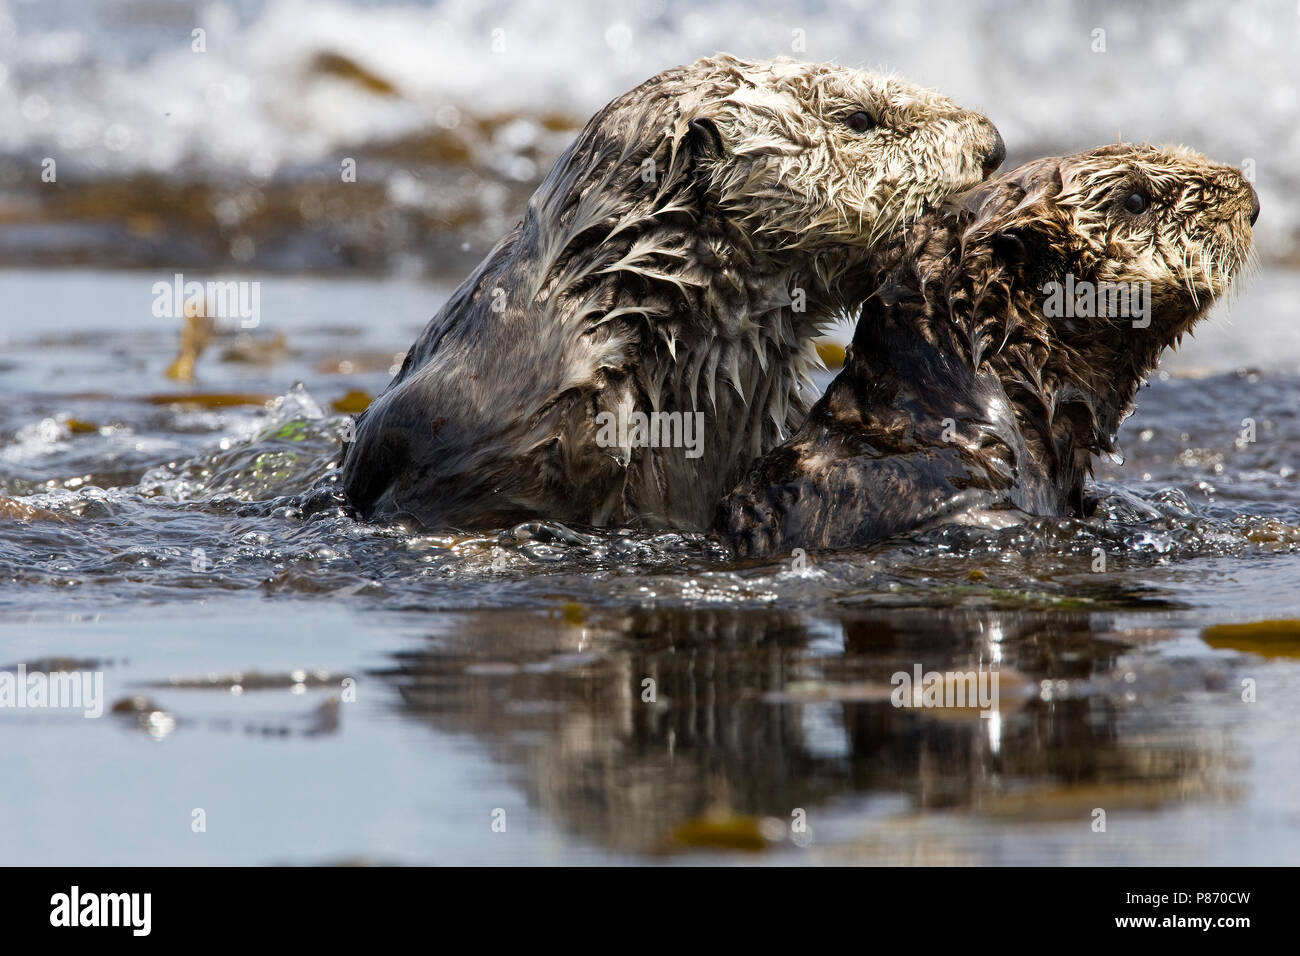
[668, 295]
[961, 400]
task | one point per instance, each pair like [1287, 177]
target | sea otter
[1003, 346]
[647, 329]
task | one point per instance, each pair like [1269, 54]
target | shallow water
[328, 691]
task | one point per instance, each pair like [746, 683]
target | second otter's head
[1108, 257]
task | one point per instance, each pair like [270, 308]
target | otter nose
[993, 159]
[1254, 205]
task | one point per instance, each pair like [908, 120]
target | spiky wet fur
[673, 294]
[961, 399]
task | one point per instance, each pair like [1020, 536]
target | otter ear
[1027, 245]
[704, 138]
[1009, 246]
[1028, 251]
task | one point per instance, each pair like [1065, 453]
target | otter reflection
[756, 712]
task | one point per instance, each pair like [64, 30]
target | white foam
[99, 85]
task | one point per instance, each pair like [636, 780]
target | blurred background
[224, 148]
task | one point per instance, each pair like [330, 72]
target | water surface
[327, 691]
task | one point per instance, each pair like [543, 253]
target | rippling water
[328, 691]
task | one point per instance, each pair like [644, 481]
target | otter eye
[1137, 203]
[859, 122]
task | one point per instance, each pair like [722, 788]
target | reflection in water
[759, 712]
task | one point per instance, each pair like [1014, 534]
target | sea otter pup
[1003, 347]
[645, 331]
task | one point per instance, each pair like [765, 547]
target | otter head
[816, 157]
[1109, 257]
[733, 173]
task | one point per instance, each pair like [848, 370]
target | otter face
[1167, 217]
[816, 155]
[1126, 247]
